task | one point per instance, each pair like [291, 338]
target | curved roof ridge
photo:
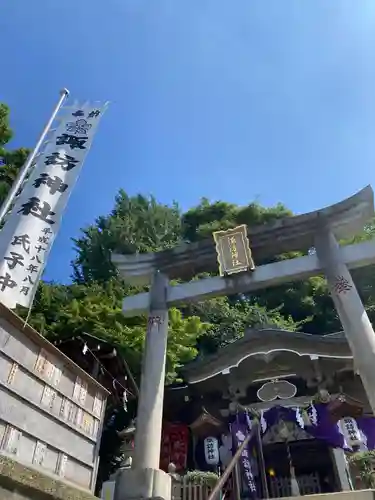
[263, 342]
[335, 334]
[250, 332]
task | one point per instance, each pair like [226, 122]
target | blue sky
[272, 100]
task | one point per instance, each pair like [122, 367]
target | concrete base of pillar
[136, 484]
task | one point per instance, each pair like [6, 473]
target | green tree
[140, 224]
[228, 321]
[5, 130]
[307, 303]
[61, 312]
[201, 221]
[12, 161]
[136, 224]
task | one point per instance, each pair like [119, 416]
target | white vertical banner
[31, 227]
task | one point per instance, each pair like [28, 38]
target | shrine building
[300, 396]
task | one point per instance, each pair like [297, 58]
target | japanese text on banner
[34, 221]
[239, 432]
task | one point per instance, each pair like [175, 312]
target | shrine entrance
[313, 468]
[295, 462]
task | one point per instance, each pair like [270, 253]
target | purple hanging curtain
[277, 413]
[239, 432]
[322, 426]
[325, 429]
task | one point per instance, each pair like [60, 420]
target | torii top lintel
[345, 219]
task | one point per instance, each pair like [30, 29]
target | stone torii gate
[319, 230]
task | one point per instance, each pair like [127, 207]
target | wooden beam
[345, 219]
[354, 256]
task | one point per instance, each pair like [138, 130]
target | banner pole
[263, 474]
[26, 167]
[230, 467]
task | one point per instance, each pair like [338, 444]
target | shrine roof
[345, 219]
[263, 343]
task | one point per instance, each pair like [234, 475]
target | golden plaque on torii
[233, 251]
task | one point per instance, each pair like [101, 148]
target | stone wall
[18, 482]
[51, 411]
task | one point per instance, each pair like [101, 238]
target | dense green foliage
[92, 303]
[13, 159]
[363, 464]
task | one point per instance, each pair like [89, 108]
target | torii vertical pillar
[145, 479]
[356, 324]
